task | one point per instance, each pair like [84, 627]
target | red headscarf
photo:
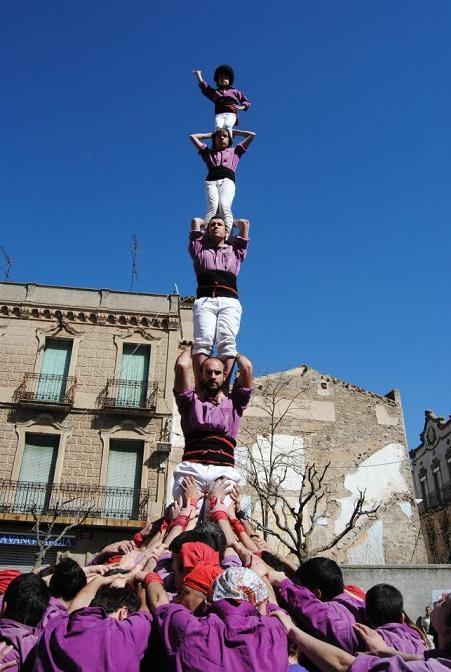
[196, 553]
[6, 576]
[201, 578]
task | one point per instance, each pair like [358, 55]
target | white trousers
[219, 195]
[205, 475]
[216, 322]
[226, 120]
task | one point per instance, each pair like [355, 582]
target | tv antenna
[6, 266]
[134, 250]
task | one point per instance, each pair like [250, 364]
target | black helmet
[227, 70]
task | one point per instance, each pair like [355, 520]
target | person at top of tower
[227, 100]
[221, 160]
[217, 310]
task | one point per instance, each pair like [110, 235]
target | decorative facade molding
[117, 318]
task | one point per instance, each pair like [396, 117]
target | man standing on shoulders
[210, 419]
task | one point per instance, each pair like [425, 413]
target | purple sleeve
[173, 621]
[240, 397]
[365, 663]
[195, 243]
[240, 150]
[183, 399]
[240, 246]
[208, 91]
[326, 620]
[136, 628]
[231, 561]
[243, 100]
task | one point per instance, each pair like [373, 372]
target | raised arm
[182, 366]
[247, 135]
[198, 74]
[197, 137]
[243, 226]
[245, 375]
[197, 222]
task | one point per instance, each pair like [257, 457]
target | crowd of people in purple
[193, 596]
[199, 590]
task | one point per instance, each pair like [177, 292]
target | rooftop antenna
[134, 251]
[6, 267]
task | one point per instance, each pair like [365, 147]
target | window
[424, 489]
[134, 375]
[54, 370]
[123, 479]
[36, 472]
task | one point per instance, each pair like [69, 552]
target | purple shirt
[197, 415]
[331, 621]
[90, 640]
[55, 608]
[226, 158]
[334, 620]
[366, 663]
[21, 637]
[219, 97]
[402, 637]
[231, 638]
[227, 258]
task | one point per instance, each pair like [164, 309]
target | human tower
[210, 413]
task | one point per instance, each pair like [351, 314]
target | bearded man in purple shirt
[210, 419]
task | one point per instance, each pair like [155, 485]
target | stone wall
[319, 419]
[419, 584]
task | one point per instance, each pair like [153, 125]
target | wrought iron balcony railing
[47, 389]
[72, 499]
[130, 394]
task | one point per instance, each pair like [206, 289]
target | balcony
[436, 499]
[46, 389]
[73, 500]
[129, 396]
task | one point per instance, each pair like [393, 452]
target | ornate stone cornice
[85, 316]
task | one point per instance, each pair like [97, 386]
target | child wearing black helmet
[227, 100]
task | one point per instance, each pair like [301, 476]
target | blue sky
[347, 185]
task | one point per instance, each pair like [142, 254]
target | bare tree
[292, 495]
[46, 539]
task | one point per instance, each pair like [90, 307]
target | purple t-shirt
[22, 637]
[206, 416]
[225, 158]
[331, 621]
[230, 638]
[402, 637]
[366, 663]
[225, 100]
[91, 640]
[227, 258]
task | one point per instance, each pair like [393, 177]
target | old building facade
[302, 418]
[87, 424]
[431, 466]
[85, 411]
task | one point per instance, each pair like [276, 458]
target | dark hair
[67, 579]
[207, 533]
[26, 598]
[383, 604]
[225, 70]
[278, 564]
[111, 599]
[323, 574]
[215, 133]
